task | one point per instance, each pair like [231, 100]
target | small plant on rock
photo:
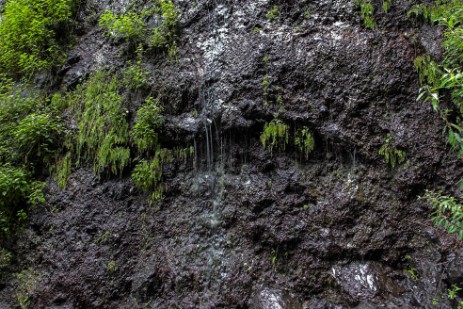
[366, 11]
[391, 155]
[273, 13]
[275, 135]
[304, 141]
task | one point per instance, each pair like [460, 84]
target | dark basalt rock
[240, 227]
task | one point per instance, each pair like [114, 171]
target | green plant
[103, 128]
[103, 238]
[165, 36]
[5, 258]
[112, 266]
[304, 141]
[256, 29]
[147, 175]
[275, 135]
[62, 170]
[366, 12]
[266, 83]
[28, 38]
[391, 155]
[129, 26]
[17, 190]
[132, 27]
[149, 120]
[273, 13]
[453, 292]
[412, 273]
[387, 5]
[35, 135]
[28, 282]
[135, 76]
[447, 212]
[307, 14]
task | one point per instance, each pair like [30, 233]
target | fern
[391, 155]
[275, 135]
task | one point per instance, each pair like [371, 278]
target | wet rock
[274, 299]
[365, 280]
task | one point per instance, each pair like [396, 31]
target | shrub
[35, 135]
[28, 37]
[145, 131]
[132, 27]
[448, 212]
[103, 128]
[17, 190]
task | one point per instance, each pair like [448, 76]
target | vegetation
[147, 175]
[17, 190]
[134, 76]
[129, 26]
[273, 13]
[103, 128]
[391, 155]
[387, 5]
[304, 141]
[29, 40]
[442, 86]
[132, 27]
[366, 12]
[275, 135]
[145, 131]
[448, 212]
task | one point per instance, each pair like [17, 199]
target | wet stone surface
[240, 227]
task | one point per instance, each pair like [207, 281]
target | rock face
[240, 227]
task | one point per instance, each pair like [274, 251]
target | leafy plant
[147, 175]
[63, 170]
[35, 135]
[453, 292]
[28, 38]
[304, 141]
[273, 13]
[391, 155]
[145, 131]
[275, 135]
[366, 12]
[387, 5]
[129, 26]
[135, 76]
[448, 212]
[103, 128]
